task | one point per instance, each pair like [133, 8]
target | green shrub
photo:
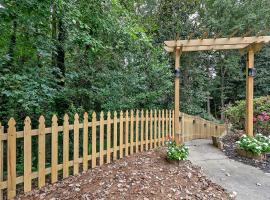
[175, 152]
[256, 145]
[236, 114]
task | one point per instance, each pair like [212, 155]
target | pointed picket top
[94, 115]
[146, 112]
[27, 121]
[54, 120]
[66, 118]
[137, 113]
[126, 113]
[11, 122]
[101, 115]
[115, 114]
[121, 113]
[76, 116]
[85, 115]
[41, 119]
[131, 113]
[109, 115]
[142, 112]
[151, 113]
[155, 111]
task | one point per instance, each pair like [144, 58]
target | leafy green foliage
[256, 145]
[175, 152]
[236, 114]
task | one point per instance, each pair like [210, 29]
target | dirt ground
[144, 176]
[230, 150]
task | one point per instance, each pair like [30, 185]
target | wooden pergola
[248, 45]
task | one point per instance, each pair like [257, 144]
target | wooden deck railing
[85, 144]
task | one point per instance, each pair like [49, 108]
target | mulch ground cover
[145, 175]
[230, 150]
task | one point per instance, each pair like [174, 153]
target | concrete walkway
[249, 182]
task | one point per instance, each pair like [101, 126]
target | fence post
[85, 141]
[27, 180]
[1, 158]
[41, 152]
[11, 189]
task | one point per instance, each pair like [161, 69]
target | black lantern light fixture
[252, 72]
[177, 73]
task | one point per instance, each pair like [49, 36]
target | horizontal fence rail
[47, 154]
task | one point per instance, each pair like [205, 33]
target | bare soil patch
[230, 150]
[146, 175]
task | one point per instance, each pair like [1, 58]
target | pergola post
[249, 94]
[177, 96]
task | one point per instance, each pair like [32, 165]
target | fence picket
[41, 152]
[27, 155]
[137, 131]
[11, 159]
[146, 129]
[66, 147]
[151, 129]
[115, 136]
[131, 132]
[142, 129]
[54, 155]
[101, 139]
[76, 145]
[121, 135]
[85, 141]
[159, 127]
[170, 123]
[108, 159]
[94, 135]
[155, 128]
[173, 130]
[1, 159]
[163, 127]
[126, 133]
[167, 124]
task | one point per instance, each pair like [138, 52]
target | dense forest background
[68, 56]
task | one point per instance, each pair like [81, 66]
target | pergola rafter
[244, 44]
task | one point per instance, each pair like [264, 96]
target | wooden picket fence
[93, 142]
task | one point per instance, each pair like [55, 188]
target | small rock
[258, 184]
[227, 174]
[233, 194]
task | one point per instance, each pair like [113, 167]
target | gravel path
[144, 176]
[247, 181]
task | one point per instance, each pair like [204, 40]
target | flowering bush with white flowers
[257, 145]
[175, 152]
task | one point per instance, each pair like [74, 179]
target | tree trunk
[61, 52]
[12, 46]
